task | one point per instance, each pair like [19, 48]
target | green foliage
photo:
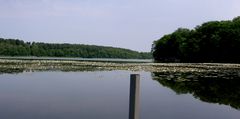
[13, 47]
[215, 41]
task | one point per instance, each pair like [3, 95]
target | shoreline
[80, 59]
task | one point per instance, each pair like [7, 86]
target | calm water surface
[105, 95]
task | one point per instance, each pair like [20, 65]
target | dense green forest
[214, 41]
[14, 47]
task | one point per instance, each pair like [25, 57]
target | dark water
[105, 95]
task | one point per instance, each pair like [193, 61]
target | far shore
[78, 59]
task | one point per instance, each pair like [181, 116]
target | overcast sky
[132, 24]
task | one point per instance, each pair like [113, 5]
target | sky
[131, 24]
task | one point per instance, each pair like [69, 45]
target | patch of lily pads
[179, 71]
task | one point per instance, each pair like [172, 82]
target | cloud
[111, 22]
[49, 8]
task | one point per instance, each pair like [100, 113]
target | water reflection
[21, 70]
[105, 95]
[209, 88]
[10, 71]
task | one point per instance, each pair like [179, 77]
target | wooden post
[134, 109]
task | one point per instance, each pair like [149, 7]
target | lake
[54, 94]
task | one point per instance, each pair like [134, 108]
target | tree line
[214, 41]
[15, 47]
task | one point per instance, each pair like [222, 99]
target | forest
[214, 41]
[15, 47]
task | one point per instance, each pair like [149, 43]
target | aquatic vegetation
[168, 70]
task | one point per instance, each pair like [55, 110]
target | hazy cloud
[121, 23]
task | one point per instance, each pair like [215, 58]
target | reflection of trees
[21, 70]
[11, 71]
[208, 89]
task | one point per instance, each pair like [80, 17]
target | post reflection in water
[208, 89]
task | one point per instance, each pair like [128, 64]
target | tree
[214, 41]
[15, 47]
